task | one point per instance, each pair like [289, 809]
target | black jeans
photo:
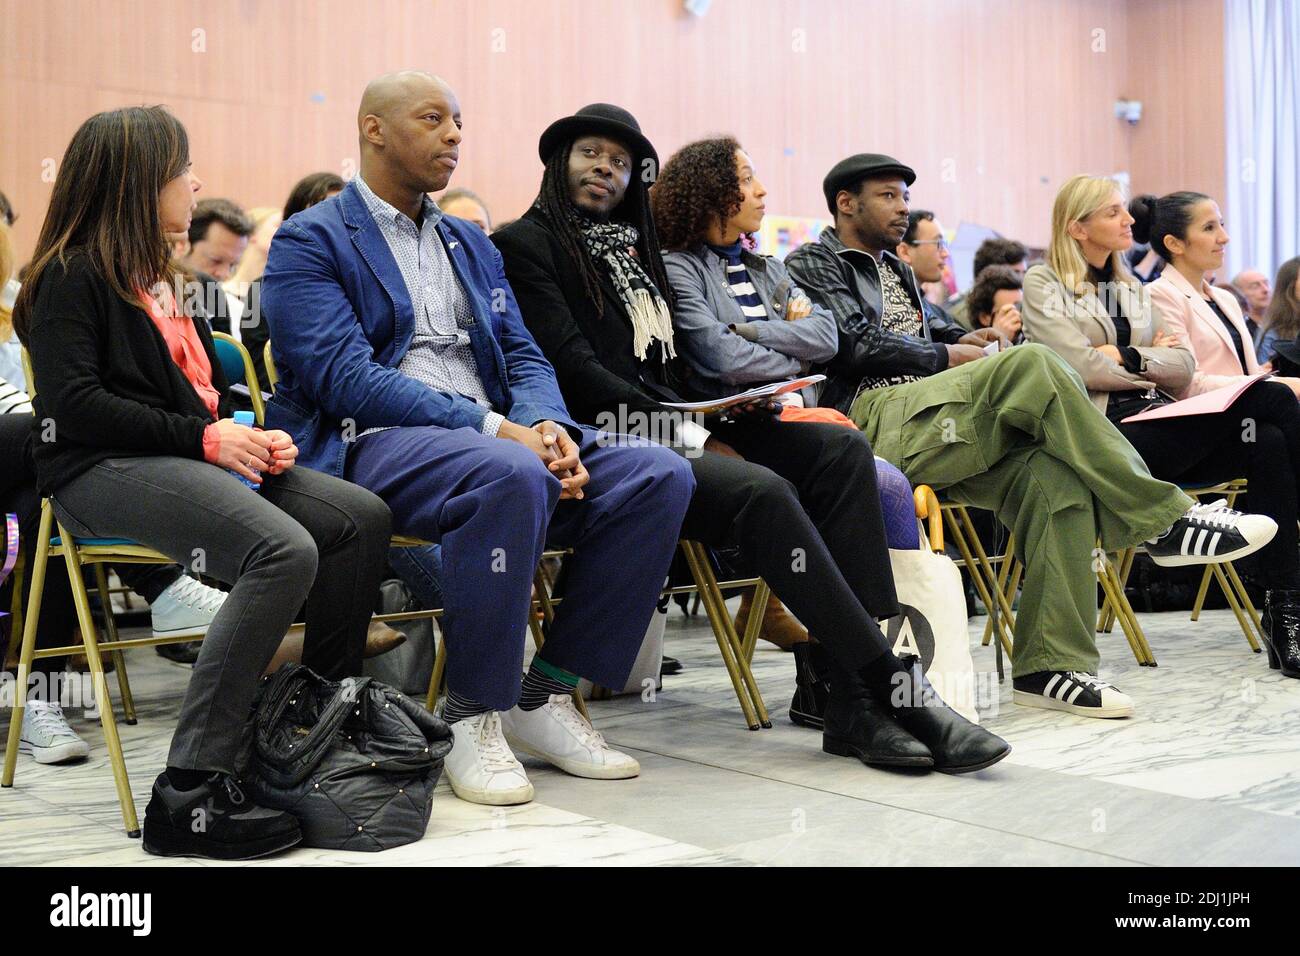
[1258, 439]
[302, 536]
[804, 509]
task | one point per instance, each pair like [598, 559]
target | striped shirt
[739, 284]
[13, 401]
[439, 356]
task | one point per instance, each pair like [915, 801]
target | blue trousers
[494, 508]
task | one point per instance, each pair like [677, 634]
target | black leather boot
[958, 746]
[1281, 620]
[857, 725]
[812, 685]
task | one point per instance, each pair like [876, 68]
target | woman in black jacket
[130, 401]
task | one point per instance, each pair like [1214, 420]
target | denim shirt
[705, 310]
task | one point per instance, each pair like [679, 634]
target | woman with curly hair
[740, 319]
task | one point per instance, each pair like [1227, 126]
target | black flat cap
[857, 168]
[603, 118]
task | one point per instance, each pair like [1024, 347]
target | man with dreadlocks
[585, 265]
[406, 368]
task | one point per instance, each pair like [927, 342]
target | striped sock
[456, 708]
[543, 680]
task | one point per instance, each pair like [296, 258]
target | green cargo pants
[1016, 434]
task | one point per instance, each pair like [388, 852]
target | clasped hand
[557, 450]
[250, 451]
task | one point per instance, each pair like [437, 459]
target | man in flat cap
[1013, 432]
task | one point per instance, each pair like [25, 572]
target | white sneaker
[561, 736]
[186, 608]
[1074, 692]
[47, 736]
[1210, 533]
[481, 768]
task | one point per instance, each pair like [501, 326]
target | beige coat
[1073, 326]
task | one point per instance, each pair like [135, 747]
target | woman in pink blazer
[1186, 229]
[1208, 320]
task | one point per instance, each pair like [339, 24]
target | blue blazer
[341, 320]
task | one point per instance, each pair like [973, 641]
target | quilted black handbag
[355, 761]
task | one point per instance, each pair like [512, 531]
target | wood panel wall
[994, 102]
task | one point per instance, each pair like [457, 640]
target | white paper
[754, 394]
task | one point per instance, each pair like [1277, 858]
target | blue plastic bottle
[245, 418]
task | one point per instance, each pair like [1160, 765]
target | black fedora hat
[613, 121]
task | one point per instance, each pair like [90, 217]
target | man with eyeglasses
[926, 250]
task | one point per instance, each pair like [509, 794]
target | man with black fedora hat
[1014, 433]
[587, 270]
[405, 367]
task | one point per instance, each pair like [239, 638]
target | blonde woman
[1084, 303]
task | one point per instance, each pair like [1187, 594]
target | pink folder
[1207, 403]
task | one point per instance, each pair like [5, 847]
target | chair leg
[1234, 602]
[1009, 573]
[29, 646]
[439, 672]
[102, 698]
[1004, 575]
[978, 572]
[1106, 617]
[1128, 617]
[119, 659]
[1251, 611]
[754, 626]
[742, 678]
[1202, 592]
[1108, 588]
[1009, 614]
[1013, 585]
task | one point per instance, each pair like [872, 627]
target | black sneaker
[1074, 692]
[184, 654]
[1211, 533]
[214, 820]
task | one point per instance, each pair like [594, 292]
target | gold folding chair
[993, 585]
[78, 554]
[272, 375]
[736, 650]
[1223, 572]
[238, 367]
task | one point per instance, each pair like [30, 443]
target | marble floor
[1206, 773]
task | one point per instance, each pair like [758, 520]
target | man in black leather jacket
[849, 284]
[1014, 433]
